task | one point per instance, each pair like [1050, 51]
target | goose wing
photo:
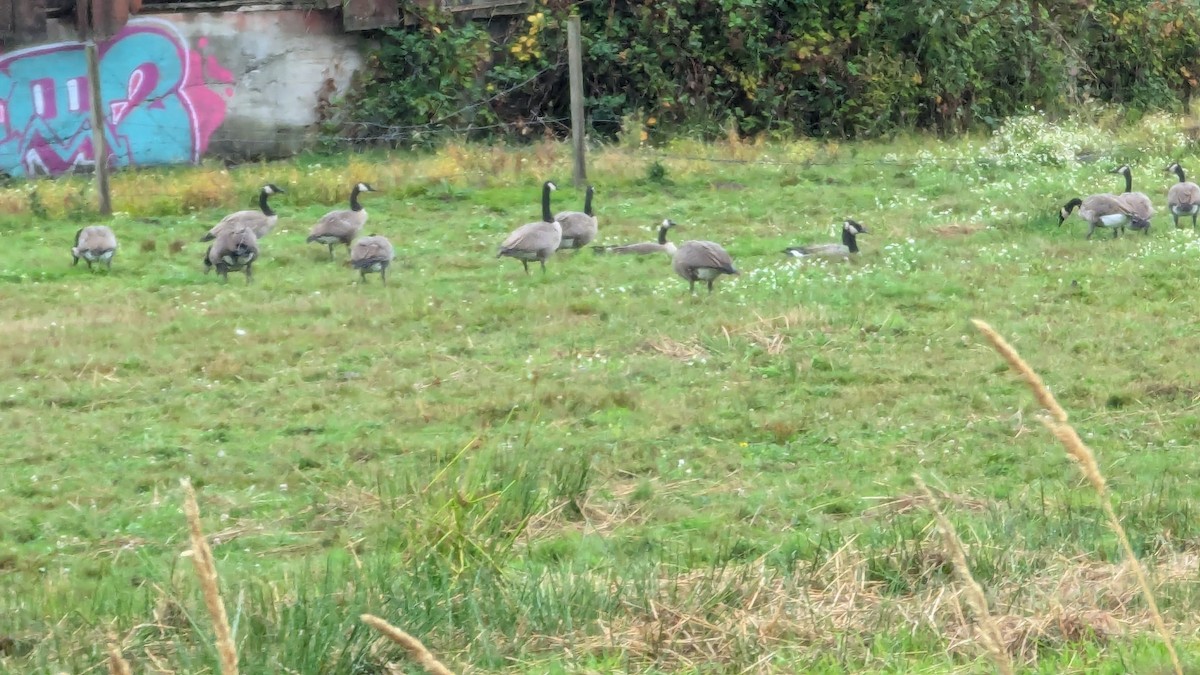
[370, 251]
[237, 218]
[577, 225]
[705, 254]
[817, 250]
[534, 237]
[1184, 194]
[340, 223]
[1106, 204]
[640, 248]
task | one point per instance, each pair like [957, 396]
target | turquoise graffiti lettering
[160, 102]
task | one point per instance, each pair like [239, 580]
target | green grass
[591, 470]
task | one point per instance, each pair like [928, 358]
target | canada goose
[372, 254]
[578, 229]
[1183, 199]
[701, 261]
[645, 247]
[1102, 210]
[850, 232]
[1141, 205]
[535, 241]
[234, 248]
[95, 243]
[341, 226]
[260, 221]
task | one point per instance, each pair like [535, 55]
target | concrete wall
[176, 87]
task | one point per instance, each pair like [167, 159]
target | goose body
[94, 244]
[260, 220]
[701, 261]
[849, 245]
[578, 228]
[645, 247]
[234, 248]
[1103, 210]
[372, 254]
[535, 241]
[341, 226]
[1183, 198]
[1138, 202]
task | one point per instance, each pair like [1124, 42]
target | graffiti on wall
[161, 100]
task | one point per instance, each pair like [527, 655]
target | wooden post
[575, 70]
[99, 145]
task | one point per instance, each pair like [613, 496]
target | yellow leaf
[917, 79]
[652, 121]
[644, 135]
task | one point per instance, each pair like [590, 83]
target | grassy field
[592, 470]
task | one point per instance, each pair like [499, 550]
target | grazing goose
[578, 229]
[340, 227]
[260, 221]
[535, 241]
[1183, 199]
[372, 254]
[1141, 205]
[235, 248]
[701, 261]
[645, 247]
[850, 232]
[95, 243]
[1103, 210]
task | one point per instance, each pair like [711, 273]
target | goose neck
[546, 215]
[354, 205]
[587, 203]
[850, 241]
[264, 204]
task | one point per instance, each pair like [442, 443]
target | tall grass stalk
[411, 644]
[1057, 423]
[989, 632]
[207, 571]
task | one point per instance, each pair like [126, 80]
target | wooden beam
[575, 71]
[99, 145]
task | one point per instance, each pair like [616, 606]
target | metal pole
[99, 147]
[575, 70]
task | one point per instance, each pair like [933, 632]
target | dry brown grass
[989, 632]
[206, 570]
[117, 665]
[684, 351]
[701, 618]
[410, 644]
[1085, 459]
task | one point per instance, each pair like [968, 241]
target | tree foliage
[844, 68]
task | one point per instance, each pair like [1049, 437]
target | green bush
[842, 68]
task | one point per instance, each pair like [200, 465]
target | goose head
[1065, 211]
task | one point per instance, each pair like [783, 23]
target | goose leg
[1091, 229]
[74, 260]
[692, 286]
[89, 262]
[1116, 232]
[1194, 221]
[331, 252]
[108, 264]
[383, 275]
[362, 276]
[1176, 217]
[710, 283]
[543, 262]
[249, 273]
[525, 264]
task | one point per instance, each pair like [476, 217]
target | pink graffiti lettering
[162, 101]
